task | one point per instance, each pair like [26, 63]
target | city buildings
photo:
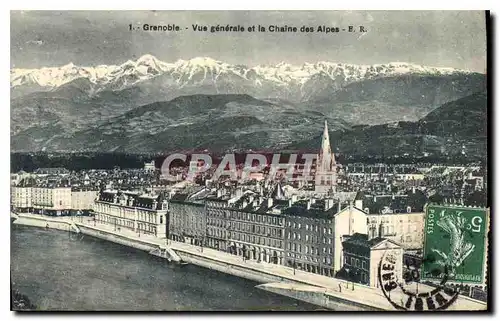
[51, 199]
[337, 224]
[141, 213]
[314, 233]
[187, 221]
[83, 198]
[362, 257]
[21, 198]
[245, 223]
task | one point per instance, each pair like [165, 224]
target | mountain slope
[214, 122]
[398, 98]
[455, 127]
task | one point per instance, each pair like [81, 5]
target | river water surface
[79, 272]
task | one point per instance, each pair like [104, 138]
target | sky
[88, 38]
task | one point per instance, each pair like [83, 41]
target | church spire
[326, 177]
[325, 142]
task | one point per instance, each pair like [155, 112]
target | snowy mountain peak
[68, 66]
[147, 58]
[199, 69]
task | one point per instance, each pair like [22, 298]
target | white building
[406, 229]
[362, 257]
[348, 221]
[21, 198]
[54, 199]
[149, 166]
[143, 214]
[83, 199]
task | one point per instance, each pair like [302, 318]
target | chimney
[219, 192]
[294, 198]
[313, 201]
[367, 210]
[339, 207]
[308, 204]
[413, 189]
[375, 199]
[244, 204]
[269, 202]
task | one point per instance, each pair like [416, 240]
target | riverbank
[323, 291]
[20, 302]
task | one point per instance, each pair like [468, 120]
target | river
[83, 273]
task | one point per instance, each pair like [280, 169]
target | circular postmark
[402, 297]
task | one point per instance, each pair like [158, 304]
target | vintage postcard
[249, 161]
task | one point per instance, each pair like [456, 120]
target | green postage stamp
[455, 244]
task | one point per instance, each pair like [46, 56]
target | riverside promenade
[292, 280]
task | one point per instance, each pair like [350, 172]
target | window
[329, 231]
[353, 261]
[357, 262]
[363, 264]
[307, 237]
[329, 241]
[299, 226]
[329, 250]
[307, 227]
[307, 249]
[298, 236]
[324, 250]
[294, 235]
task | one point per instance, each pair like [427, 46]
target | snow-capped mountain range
[204, 70]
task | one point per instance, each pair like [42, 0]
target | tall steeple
[326, 171]
[326, 149]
